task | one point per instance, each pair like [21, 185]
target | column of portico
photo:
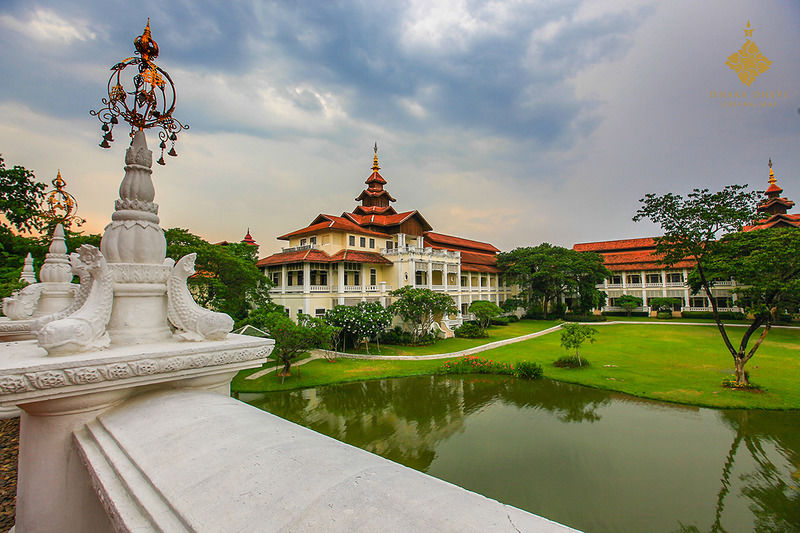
[340, 281]
[306, 287]
[364, 281]
[686, 295]
[430, 272]
[283, 279]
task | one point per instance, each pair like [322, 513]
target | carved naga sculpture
[85, 328]
[80, 269]
[192, 322]
[22, 303]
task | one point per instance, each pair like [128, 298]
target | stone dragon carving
[80, 269]
[85, 328]
[192, 322]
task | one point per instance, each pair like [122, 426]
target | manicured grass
[684, 364]
[454, 344]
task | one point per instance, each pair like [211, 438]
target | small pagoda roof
[779, 221]
[375, 193]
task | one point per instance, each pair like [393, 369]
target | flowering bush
[469, 331]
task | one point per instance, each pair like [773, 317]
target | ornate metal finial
[771, 173]
[748, 32]
[61, 205]
[375, 166]
[150, 102]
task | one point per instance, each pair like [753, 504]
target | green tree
[547, 273]
[366, 320]
[484, 312]
[663, 303]
[420, 308]
[227, 278]
[628, 302]
[692, 225]
[21, 197]
[291, 338]
[574, 335]
[766, 264]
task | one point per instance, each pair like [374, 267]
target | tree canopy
[484, 312]
[366, 320]
[421, 307]
[227, 278]
[692, 227]
[545, 273]
[21, 197]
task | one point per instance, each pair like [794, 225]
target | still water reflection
[593, 460]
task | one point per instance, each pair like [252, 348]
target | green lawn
[496, 333]
[684, 364]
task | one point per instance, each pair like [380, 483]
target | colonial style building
[636, 271]
[364, 254]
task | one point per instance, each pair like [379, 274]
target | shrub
[569, 317]
[469, 331]
[396, 335]
[470, 364]
[571, 361]
[664, 314]
[623, 313]
[725, 315]
[512, 318]
[528, 370]
[500, 321]
[733, 384]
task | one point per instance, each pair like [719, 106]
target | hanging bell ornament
[173, 137]
[104, 144]
[108, 137]
[172, 152]
[161, 160]
[162, 145]
[114, 120]
[104, 127]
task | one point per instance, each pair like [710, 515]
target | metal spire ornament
[143, 96]
[61, 205]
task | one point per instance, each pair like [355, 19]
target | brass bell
[172, 152]
[161, 160]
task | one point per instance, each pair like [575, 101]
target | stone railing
[299, 248]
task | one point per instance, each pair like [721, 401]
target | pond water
[593, 460]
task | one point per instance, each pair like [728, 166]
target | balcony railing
[709, 309]
[352, 288]
[300, 248]
[634, 285]
[614, 285]
[676, 284]
[650, 285]
[320, 288]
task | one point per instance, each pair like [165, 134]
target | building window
[697, 301]
[289, 279]
[420, 276]
[351, 240]
[674, 277]
[372, 243]
[373, 276]
[653, 278]
[362, 242]
[300, 277]
[615, 280]
[463, 281]
[302, 242]
[319, 313]
[464, 307]
[634, 279]
[312, 240]
[389, 245]
[276, 278]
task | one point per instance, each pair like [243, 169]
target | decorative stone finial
[134, 236]
[192, 322]
[56, 267]
[28, 274]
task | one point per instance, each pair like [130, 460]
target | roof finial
[375, 166]
[771, 173]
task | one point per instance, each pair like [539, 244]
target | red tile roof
[776, 220]
[356, 256]
[331, 222]
[280, 258]
[374, 194]
[386, 220]
[374, 210]
[623, 244]
[375, 177]
[450, 242]
[468, 267]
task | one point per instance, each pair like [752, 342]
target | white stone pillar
[382, 285]
[340, 276]
[430, 272]
[306, 278]
[445, 273]
[283, 279]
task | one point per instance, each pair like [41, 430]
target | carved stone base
[139, 312]
[15, 330]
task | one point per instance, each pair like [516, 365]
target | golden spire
[375, 166]
[145, 44]
[747, 31]
[59, 182]
[771, 173]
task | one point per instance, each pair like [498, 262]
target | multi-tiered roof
[375, 217]
[775, 208]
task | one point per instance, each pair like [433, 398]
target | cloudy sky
[513, 122]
